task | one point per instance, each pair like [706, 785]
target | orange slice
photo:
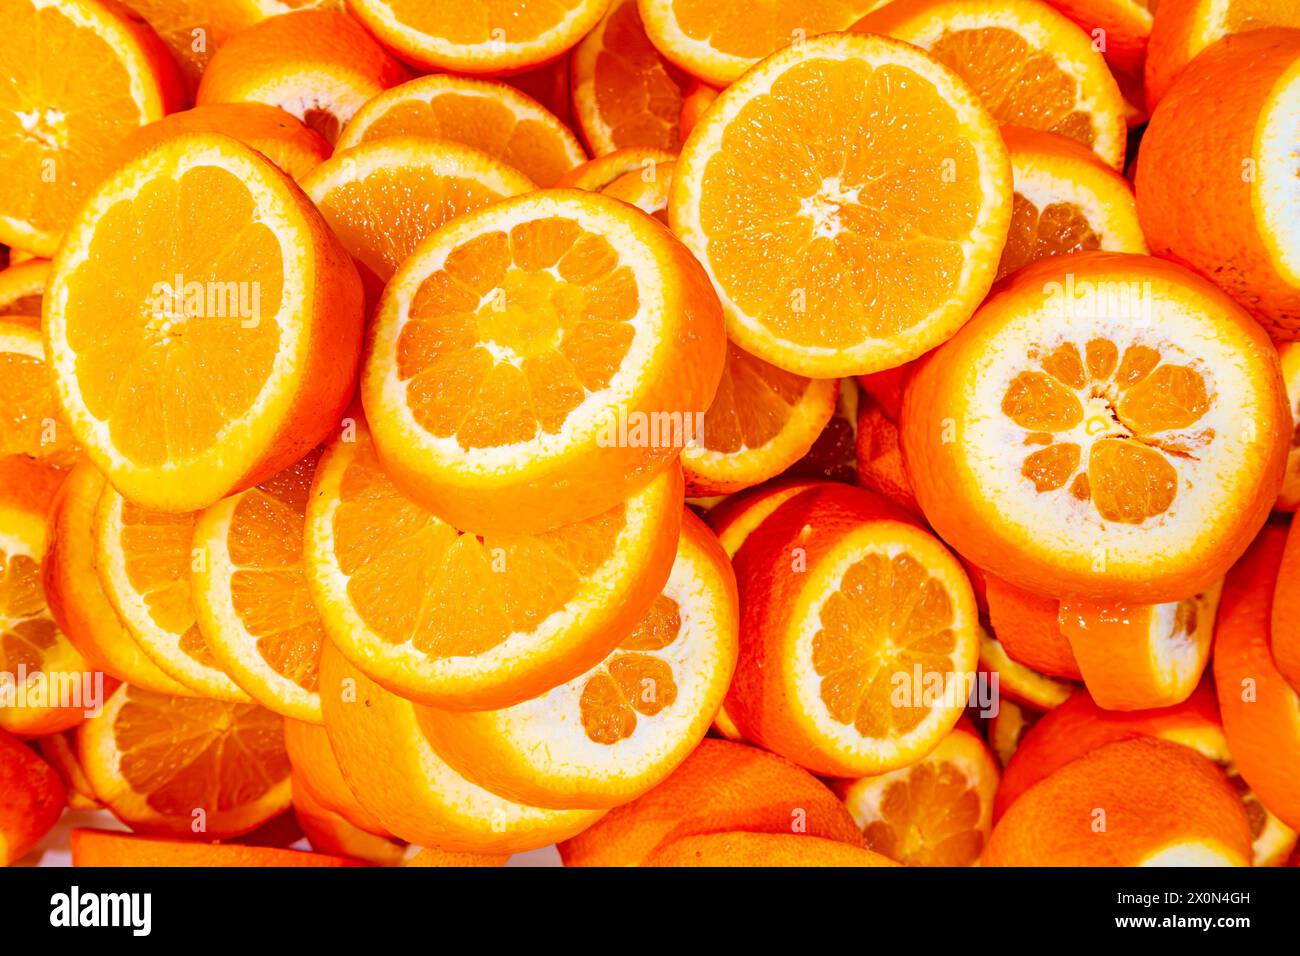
[624, 92]
[30, 421]
[383, 197]
[1029, 65]
[186, 767]
[539, 360]
[1015, 680]
[648, 164]
[316, 772]
[1107, 427]
[761, 422]
[476, 621]
[479, 36]
[79, 74]
[193, 29]
[858, 635]
[144, 559]
[879, 457]
[318, 65]
[1141, 802]
[611, 734]
[250, 595]
[159, 405]
[1066, 200]
[871, 243]
[1284, 620]
[936, 812]
[1221, 196]
[1028, 626]
[22, 289]
[487, 115]
[76, 599]
[1289, 352]
[763, 849]
[103, 848]
[1136, 657]
[404, 783]
[718, 41]
[331, 833]
[1119, 28]
[33, 801]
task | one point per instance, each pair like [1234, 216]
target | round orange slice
[79, 74]
[476, 621]
[159, 405]
[1107, 427]
[611, 734]
[877, 238]
[858, 635]
[761, 422]
[485, 114]
[250, 594]
[404, 783]
[1065, 200]
[186, 767]
[936, 812]
[30, 421]
[539, 360]
[1029, 65]
[1017, 681]
[1289, 352]
[22, 289]
[478, 36]
[646, 163]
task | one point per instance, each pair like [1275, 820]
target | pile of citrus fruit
[744, 432]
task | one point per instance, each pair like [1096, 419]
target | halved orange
[1028, 626]
[1284, 619]
[160, 405]
[539, 360]
[1289, 352]
[611, 734]
[402, 781]
[647, 163]
[1107, 427]
[460, 620]
[103, 848]
[479, 36]
[186, 767]
[762, 849]
[22, 288]
[761, 422]
[31, 423]
[624, 92]
[250, 594]
[874, 240]
[859, 638]
[1029, 65]
[79, 73]
[1017, 681]
[936, 812]
[485, 114]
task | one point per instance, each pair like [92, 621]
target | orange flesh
[145, 341]
[1131, 405]
[887, 617]
[156, 551]
[1056, 230]
[858, 243]
[26, 629]
[515, 331]
[929, 818]
[632, 681]
[269, 587]
[28, 413]
[638, 94]
[753, 402]
[759, 27]
[414, 578]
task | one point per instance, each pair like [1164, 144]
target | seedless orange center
[930, 817]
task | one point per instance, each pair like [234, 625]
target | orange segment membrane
[930, 817]
[752, 404]
[1058, 229]
[632, 681]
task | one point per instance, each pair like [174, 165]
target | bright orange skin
[106, 848]
[880, 463]
[763, 849]
[1194, 202]
[31, 799]
[1027, 626]
[1263, 733]
[733, 519]
[1154, 794]
[1285, 628]
[887, 387]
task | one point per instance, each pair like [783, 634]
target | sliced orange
[103, 848]
[319, 65]
[762, 849]
[611, 734]
[250, 594]
[383, 197]
[476, 621]
[539, 360]
[79, 73]
[1289, 499]
[1066, 200]
[478, 36]
[761, 422]
[331, 833]
[193, 29]
[624, 92]
[879, 457]
[485, 114]
[1136, 657]
[718, 41]
[285, 140]
[871, 243]
[76, 599]
[160, 405]
[1029, 64]
[1284, 620]
[1107, 427]
[1017, 681]
[936, 812]
[401, 780]
[186, 767]
[1028, 626]
[1183, 28]
[30, 421]
[1221, 196]
[646, 163]
[144, 559]
[22, 289]
[858, 635]
[316, 771]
